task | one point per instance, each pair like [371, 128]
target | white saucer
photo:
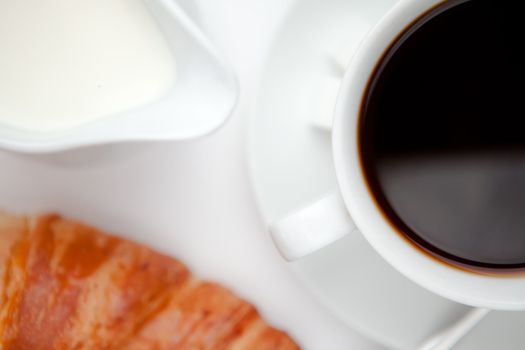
[291, 166]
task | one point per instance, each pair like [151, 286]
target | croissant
[65, 285]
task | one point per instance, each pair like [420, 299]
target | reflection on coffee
[442, 134]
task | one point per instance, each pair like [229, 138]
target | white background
[222, 215]
[192, 200]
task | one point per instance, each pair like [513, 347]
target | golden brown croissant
[68, 286]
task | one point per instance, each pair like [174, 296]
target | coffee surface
[442, 133]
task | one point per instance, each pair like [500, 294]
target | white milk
[67, 62]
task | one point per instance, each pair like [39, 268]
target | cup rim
[494, 292]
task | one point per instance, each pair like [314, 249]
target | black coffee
[442, 133]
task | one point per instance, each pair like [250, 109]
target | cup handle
[312, 228]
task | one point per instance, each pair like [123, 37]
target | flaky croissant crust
[65, 285]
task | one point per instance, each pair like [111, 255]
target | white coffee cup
[326, 221]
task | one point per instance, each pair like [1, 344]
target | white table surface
[218, 203]
[190, 199]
